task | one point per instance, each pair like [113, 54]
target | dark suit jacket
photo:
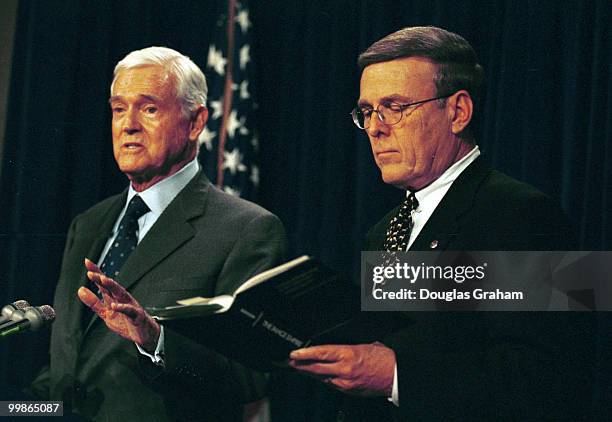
[205, 243]
[491, 365]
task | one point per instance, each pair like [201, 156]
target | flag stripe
[227, 92]
[230, 136]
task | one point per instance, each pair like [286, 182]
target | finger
[106, 296]
[116, 290]
[96, 279]
[90, 299]
[329, 353]
[317, 368]
[135, 313]
[91, 266]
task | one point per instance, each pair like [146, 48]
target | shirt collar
[159, 196]
[449, 176]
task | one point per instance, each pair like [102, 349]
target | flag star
[216, 60]
[244, 90]
[255, 142]
[217, 107]
[255, 175]
[243, 130]
[233, 161]
[245, 55]
[243, 20]
[234, 86]
[233, 123]
[206, 138]
[231, 191]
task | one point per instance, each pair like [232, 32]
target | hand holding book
[363, 369]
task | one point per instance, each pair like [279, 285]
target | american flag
[229, 142]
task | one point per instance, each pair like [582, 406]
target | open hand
[119, 310]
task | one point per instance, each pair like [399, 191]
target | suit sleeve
[260, 246]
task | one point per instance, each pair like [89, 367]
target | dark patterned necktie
[398, 233]
[127, 238]
[123, 245]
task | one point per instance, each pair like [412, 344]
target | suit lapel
[104, 231]
[169, 232]
[445, 222]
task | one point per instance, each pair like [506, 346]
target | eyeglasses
[388, 114]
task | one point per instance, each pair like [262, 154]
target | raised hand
[119, 310]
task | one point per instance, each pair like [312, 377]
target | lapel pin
[433, 244]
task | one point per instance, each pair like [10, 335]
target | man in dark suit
[171, 235]
[418, 91]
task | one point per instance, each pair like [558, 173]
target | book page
[272, 272]
[225, 301]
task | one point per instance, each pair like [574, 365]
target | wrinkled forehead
[143, 80]
[411, 77]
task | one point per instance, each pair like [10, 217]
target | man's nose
[131, 123]
[377, 127]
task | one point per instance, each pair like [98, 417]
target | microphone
[34, 318]
[13, 311]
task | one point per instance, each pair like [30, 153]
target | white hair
[191, 88]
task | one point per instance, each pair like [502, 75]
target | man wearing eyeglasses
[418, 91]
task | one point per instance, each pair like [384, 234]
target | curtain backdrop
[546, 121]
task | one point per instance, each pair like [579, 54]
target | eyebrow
[141, 97]
[393, 98]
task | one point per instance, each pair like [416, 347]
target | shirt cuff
[395, 392]
[158, 357]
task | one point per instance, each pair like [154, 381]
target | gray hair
[191, 88]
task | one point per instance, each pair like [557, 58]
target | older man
[418, 91]
[170, 235]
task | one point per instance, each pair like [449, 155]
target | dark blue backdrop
[546, 120]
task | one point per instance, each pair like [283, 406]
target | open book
[201, 306]
[294, 305]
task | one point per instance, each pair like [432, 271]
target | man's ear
[462, 108]
[199, 116]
